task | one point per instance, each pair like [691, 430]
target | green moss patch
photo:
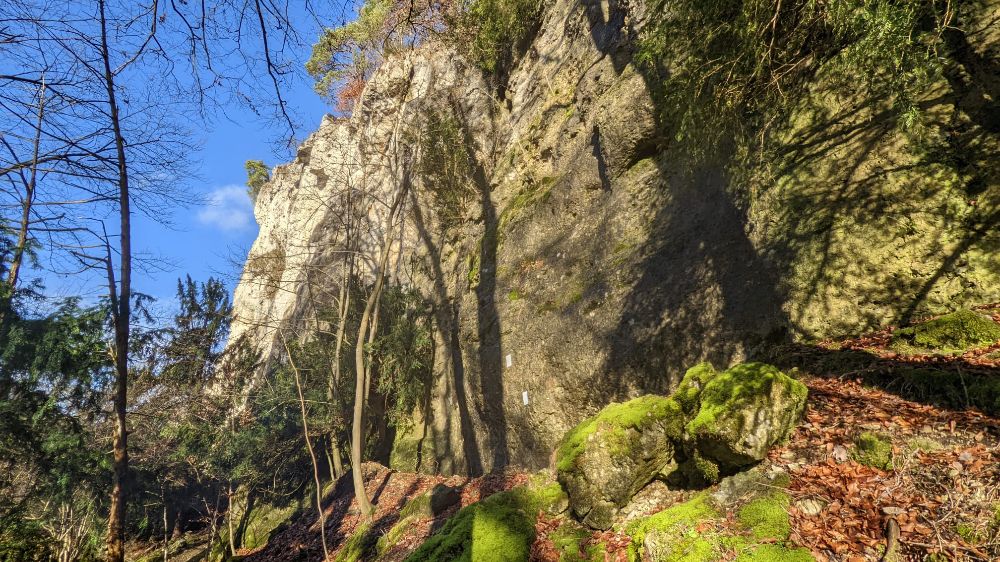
[695, 531]
[265, 521]
[676, 538]
[871, 449]
[767, 516]
[614, 420]
[500, 527]
[356, 545]
[957, 331]
[775, 553]
[570, 541]
[395, 533]
[533, 194]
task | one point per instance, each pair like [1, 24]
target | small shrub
[267, 268]
[257, 176]
[445, 166]
[344, 57]
[495, 28]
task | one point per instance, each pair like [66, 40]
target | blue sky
[204, 239]
[212, 238]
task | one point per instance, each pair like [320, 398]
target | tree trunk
[333, 457]
[360, 366]
[312, 453]
[116, 515]
[230, 513]
[25, 222]
[166, 529]
[343, 309]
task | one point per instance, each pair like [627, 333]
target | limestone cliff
[592, 261]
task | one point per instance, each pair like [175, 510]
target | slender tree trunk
[333, 382]
[116, 516]
[230, 513]
[166, 534]
[29, 198]
[336, 460]
[312, 453]
[26, 206]
[214, 525]
[360, 365]
[343, 309]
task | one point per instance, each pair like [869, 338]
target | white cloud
[228, 208]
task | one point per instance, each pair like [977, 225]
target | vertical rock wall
[593, 261]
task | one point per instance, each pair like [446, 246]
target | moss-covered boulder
[743, 412]
[713, 424]
[606, 459]
[499, 528]
[957, 331]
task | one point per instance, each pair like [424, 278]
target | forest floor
[943, 487]
[933, 470]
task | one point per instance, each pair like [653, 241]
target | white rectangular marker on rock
[510, 361]
[524, 396]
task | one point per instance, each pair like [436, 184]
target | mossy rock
[394, 534]
[744, 411]
[356, 545]
[957, 331]
[569, 540]
[714, 424]
[606, 459]
[696, 531]
[500, 527]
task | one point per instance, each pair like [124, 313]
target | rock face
[715, 424]
[590, 260]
